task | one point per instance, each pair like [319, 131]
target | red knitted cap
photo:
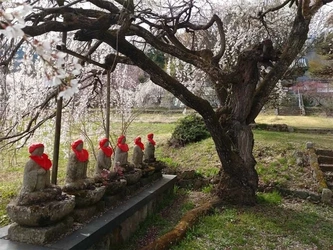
[34, 146]
[76, 143]
[102, 142]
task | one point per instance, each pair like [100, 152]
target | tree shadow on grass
[291, 225]
[298, 225]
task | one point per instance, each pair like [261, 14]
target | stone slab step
[324, 152]
[325, 159]
[326, 167]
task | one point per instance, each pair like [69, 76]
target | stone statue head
[36, 149]
[77, 145]
[37, 155]
[104, 143]
[150, 136]
[121, 139]
[81, 154]
[138, 142]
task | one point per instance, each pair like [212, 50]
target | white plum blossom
[56, 80]
[21, 11]
[55, 72]
[7, 16]
[54, 61]
[42, 48]
[56, 68]
[77, 69]
[59, 59]
[18, 12]
[13, 31]
[69, 91]
[15, 20]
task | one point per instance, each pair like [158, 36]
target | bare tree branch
[276, 8]
[12, 54]
[84, 58]
[30, 129]
[60, 7]
[192, 57]
[107, 5]
[102, 23]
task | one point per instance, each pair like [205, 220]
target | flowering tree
[242, 83]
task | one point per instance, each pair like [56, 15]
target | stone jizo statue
[149, 153]
[138, 153]
[121, 154]
[40, 205]
[36, 178]
[76, 175]
[102, 170]
[86, 193]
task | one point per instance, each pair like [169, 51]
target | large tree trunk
[241, 185]
[238, 177]
[233, 137]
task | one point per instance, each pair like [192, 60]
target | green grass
[275, 223]
[297, 121]
[200, 156]
[208, 189]
[263, 227]
[289, 141]
[273, 198]
[7, 192]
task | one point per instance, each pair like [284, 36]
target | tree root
[178, 233]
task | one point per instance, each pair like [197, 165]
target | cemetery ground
[276, 222]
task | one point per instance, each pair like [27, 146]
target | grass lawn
[275, 223]
[297, 121]
[288, 225]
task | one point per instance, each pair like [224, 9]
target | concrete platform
[97, 229]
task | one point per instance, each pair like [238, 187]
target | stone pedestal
[40, 235]
[87, 197]
[158, 165]
[43, 214]
[104, 232]
[147, 171]
[133, 176]
[86, 203]
[85, 214]
[115, 187]
[112, 200]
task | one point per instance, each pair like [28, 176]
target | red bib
[42, 160]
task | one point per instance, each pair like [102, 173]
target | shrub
[189, 129]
